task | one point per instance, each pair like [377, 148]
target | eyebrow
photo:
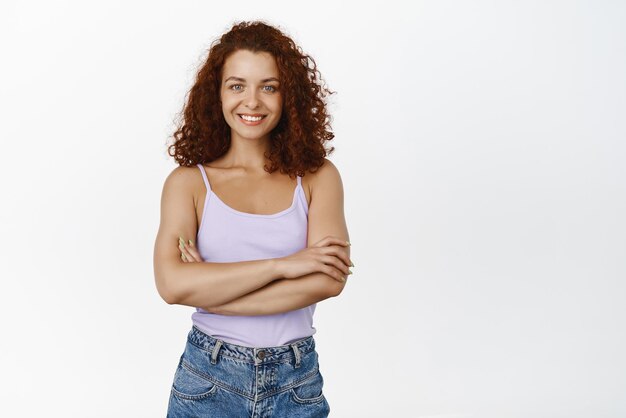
[243, 79]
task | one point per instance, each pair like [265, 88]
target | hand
[189, 252]
[329, 256]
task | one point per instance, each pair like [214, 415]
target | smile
[251, 120]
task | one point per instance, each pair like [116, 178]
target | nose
[252, 101]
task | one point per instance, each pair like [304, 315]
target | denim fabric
[223, 380]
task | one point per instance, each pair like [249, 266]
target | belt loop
[296, 351]
[216, 348]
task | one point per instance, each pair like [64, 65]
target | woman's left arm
[325, 217]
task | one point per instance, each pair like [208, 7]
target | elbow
[170, 284]
[169, 297]
[335, 288]
[166, 292]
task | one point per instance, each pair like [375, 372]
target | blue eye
[239, 87]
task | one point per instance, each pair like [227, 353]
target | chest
[252, 201]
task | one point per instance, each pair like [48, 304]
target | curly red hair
[296, 143]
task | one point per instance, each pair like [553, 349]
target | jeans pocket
[309, 391]
[189, 383]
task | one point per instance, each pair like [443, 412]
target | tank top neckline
[210, 193]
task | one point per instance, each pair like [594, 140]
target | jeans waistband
[254, 355]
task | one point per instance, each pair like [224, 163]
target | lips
[251, 122]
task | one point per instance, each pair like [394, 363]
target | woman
[266, 209]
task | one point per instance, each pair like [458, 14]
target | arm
[326, 217]
[280, 296]
[197, 284]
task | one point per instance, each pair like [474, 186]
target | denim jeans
[222, 380]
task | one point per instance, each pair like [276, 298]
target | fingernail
[181, 241]
[351, 264]
[190, 242]
[349, 271]
[348, 242]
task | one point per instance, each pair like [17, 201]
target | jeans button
[261, 354]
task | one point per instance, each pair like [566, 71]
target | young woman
[265, 206]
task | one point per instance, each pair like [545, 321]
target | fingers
[330, 240]
[339, 252]
[335, 268]
[194, 251]
[183, 251]
[337, 263]
[189, 252]
[334, 273]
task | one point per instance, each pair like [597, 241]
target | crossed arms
[250, 287]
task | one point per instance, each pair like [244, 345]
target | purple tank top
[227, 235]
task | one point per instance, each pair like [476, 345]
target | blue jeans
[222, 380]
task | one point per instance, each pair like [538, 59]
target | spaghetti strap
[302, 196]
[204, 176]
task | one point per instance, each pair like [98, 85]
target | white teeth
[251, 118]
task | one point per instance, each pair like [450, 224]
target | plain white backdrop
[482, 149]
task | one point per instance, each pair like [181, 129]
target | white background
[482, 149]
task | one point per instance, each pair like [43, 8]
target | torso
[264, 194]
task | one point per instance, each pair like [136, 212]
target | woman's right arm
[204, 284]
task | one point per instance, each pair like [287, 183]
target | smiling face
[251, 99]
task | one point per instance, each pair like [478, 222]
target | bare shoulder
[182, 175]
[326, 211]
[183, 180]
[327, 177]
[328, 169]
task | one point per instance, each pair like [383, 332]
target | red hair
[296, 143]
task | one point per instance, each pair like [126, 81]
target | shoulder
[181, 177]
[326, 180]
[328, 169]
[183, 181]
[327, 177]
